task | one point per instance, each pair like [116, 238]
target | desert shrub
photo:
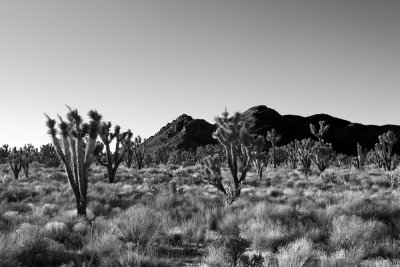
[232, 247]
[253, 261]
[180, 208]
[216, 256]
[103, 249]
[108, 195]
[49, 209]
[140, 225]
[387, 248]
[351, 231]
[279, 213]
[22, 248]
[61, 233]
[135, 258]
[182, 157]
[6, 224]
[19, 207]
[298, 253]
[267, 235]
[99, 209]
[57, 176]
[368, 209]
[330, 177]
[154, 178]
[17, 194]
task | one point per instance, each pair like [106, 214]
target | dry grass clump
[29, 246]
[352, 231]
[298, 253]
[140, 225]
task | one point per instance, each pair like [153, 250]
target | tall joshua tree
[112, 160]
[304, 154]
[139, 149]
[323, 128]
[384, 149]
[260, 158]
[15, 159]
[29, 154]
[234, 134]
[291, 150]
[5, 150]
[359, 161]
[323, 153]
[273, 137]
[75, 148]
[129, 153]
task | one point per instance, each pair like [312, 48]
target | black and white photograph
[199, 133]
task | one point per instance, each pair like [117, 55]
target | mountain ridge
[188, 133]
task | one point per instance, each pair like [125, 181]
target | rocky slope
[182, 133]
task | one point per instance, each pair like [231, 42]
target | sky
[143, 63]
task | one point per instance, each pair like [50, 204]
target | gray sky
[143, 63]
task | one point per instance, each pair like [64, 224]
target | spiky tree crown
[322, 129]
[389, 138]
[273, 136]
[228, 128]
[74, 127]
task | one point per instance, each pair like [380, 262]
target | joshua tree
[291, 150]
[72, 151]
[304, 154]
[160, 155]
[48, 156]
[274, 138]
[359, 161]
[384, 149]
[135, 150]
[112, 160]
[129, 153]
[322, 130]
[4, 152]
[139, 149]
[260, 158]
[322, 153]
[29, 154]
[14, 159]
[234, 134]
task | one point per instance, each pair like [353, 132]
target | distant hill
[183, 133]
[188, 133]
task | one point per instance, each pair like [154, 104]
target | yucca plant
[29, 154]
[260, 158]
[112, 160]
[273, 137]
[322, 152]
[74, 142]
[5, 150]
[14, 159]
[323, 128]
[234, 134]
[48, 156]
[291, 150]
[139, 149]
[359, 161]
[304, 154]
[384, 149]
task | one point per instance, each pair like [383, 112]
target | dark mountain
[183, 133]
[186, 132]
